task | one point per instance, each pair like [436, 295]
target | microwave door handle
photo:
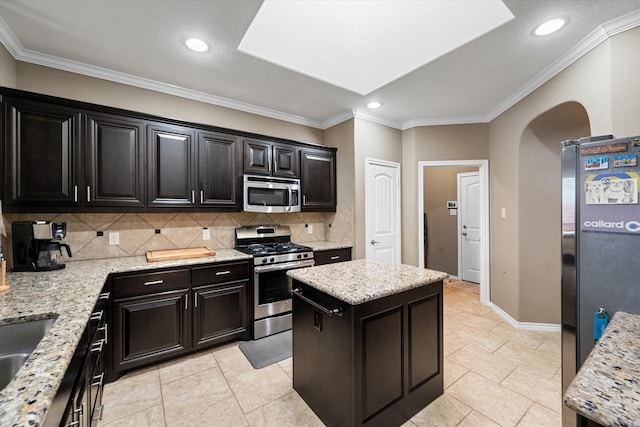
[290, 195]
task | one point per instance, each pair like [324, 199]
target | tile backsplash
[141, 232]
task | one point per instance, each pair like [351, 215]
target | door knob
[373, 242]
[464, 234]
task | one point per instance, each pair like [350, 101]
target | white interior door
[382, 216]
[469, 247]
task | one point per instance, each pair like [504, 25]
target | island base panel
[378, 364]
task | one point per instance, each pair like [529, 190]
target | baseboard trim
[529, 326]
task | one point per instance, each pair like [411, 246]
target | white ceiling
[142, 43]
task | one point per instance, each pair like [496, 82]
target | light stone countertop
[606, 389]
[360, 281]
[69, 295]
[326, 246]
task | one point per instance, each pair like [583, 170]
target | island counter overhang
[367, 341]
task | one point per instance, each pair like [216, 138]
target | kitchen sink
[17, 341]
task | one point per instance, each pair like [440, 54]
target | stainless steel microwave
[271, 195]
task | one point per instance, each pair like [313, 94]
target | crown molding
[337, 119]
[442, 121]
[593, 40]
[365, 115]
[21, 54]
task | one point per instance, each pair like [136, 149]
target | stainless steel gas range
[273, 255]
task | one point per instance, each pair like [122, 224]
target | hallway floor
[494, 375]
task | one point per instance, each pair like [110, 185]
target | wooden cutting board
[171, 254]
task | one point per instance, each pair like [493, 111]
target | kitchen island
[367, 341]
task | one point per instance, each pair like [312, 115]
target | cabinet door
[286, 161]
[220, 180]
[257, 157]
[219, 313]
[150, 328]
[115, 161]
[318, 180]
[42, 152]
[171, 166]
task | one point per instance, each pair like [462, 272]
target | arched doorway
[539, 188]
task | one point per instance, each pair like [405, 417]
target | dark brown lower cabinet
[164, 314]
[78, 401]
[150, 328]
[377, 364]
[219, 312]
[331, 256]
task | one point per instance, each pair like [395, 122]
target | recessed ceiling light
[549, 27]
[197, 45]
[373, 105]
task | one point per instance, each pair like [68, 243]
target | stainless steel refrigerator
[600, 242]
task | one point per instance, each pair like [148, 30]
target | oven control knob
[272, 259]
[299, 256]
[264, 260]
[306, 255]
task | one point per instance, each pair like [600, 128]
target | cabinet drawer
[332, 255]
[146, 283]
[220, 273]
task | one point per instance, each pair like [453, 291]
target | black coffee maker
[36, 245]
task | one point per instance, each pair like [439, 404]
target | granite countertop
[360, 281]
[326, 246]
[606, 389]
[68, 295]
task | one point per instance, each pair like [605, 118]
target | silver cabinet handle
[195, 300]
[222, 273]
[97, 380]
[338, 311]
[154, 282]
[201, 197]
[75, 193]
[99, 410]
[96, 347]
[97, 315]
[374, 242]
[88, 193]
[304, 200]
[104, 295]
[335, 257]
[193, 197]
[105, 329]
[186, 301]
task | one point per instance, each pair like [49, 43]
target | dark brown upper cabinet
[59, 155]
[318, 180]
[41, 155]
[115, 161]
[270, 158]
[171, 156]
[219, 175]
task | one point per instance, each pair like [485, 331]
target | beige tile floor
[494, 375]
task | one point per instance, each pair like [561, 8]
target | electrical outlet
[310, 229]
[206, 234]
[114, 239]
[503, 213]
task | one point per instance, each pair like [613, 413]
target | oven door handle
[286, 266]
